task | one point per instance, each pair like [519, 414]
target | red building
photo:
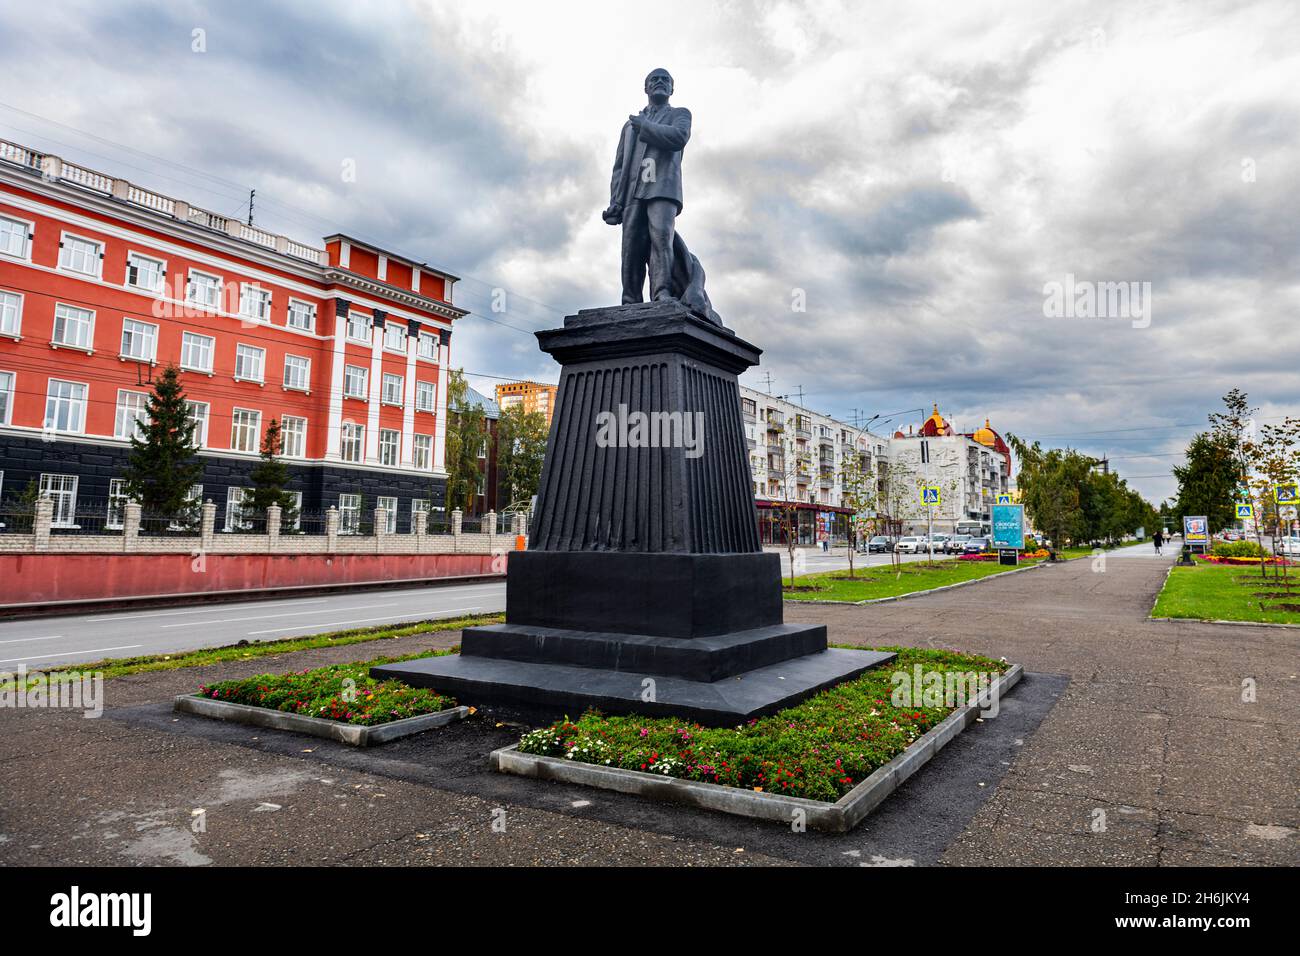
[102, 282]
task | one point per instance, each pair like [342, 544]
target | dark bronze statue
[645, 196]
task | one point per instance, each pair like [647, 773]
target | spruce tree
[270, 476]
[163, 466]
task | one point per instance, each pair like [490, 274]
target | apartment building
[533, 396]
[103, 282]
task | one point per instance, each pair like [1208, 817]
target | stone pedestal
[644, 588]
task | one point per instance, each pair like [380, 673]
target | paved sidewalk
[1150, 730]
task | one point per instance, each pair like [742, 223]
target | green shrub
[1238, 549]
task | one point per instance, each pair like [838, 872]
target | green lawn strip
[818, 749]
[120, 667]
[884, 581]
[1209, 592]
[343, 692]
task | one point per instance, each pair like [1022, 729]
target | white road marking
[262, 617]
[24, 640]
[363, 620]
[88, 650]
[202, 609]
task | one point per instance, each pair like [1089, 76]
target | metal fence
[88, 516]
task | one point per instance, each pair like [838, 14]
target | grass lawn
[818, 749]
[1224, 593]
[343, 692]
[120, 667]
[883, 581]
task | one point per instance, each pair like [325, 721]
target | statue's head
[659, 85]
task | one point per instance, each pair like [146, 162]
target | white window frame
[352, 435]
[82, 402]
[425, 453]
[115, 518]
[242, 350]
[360, 320]
[298, 433]
[29, 233]
[258, 294]
[150, 338]
[395, 330]
[389, 504]
[122, 408]
[433, 340]
[296, 523]
[156, 289]
[349, 513]
[190, 287]
[349, 373]
[238, 427]
[210, 349]
[426, 389]
[390, 446]
[236, 498]
[16, 331]
[98, 259]
[301, 305]
[7, 391]
[63, 495]
[384, 396]
[201, 419]
[89, 347]
[305, 384]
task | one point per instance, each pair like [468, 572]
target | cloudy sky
[917, 173]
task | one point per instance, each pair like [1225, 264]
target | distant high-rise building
[533, 396]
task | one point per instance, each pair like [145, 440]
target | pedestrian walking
[1158, 539]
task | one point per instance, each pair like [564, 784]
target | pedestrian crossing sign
[1004, 499]
[930, 495]
[1286, 494]
[1245, 511]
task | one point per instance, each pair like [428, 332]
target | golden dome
[986, 435]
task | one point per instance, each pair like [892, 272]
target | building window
[14, 236]
[11, 313]
[428, 346]
[203, 290]
[73, 327]
[199, 412]
[293, 437]
[302, 315]
[196, 352]
[245, 429]
[354, 381]
[392, 390]
[65, 406]
[130, 419]
[419, 513]
[297, 372]
[6, 397]
[352, 442]
[62, 490]
[248, 363]
[349, 514]
[483, 448]
[358, 327]
[394, 336]
[425, 395]
[117, 500]
[422, 452]
[390, 513]
[293, 522]
[237, 502]
[80, 255]
[254, 303]
[139, 340]
[389, 442]
[145, 273]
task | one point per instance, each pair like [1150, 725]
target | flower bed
[1221, 559]
[993, 556]
[818, 749]
[342, 692]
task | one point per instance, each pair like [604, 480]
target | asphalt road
[53, 641]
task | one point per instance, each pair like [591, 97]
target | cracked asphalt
[1128, 742]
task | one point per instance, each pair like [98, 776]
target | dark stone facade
[23, 459]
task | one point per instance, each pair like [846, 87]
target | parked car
[1289, 546]
[939, 541]
[909, 544]
[975, 545]
[880, 544]
[954, 544]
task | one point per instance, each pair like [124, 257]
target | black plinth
[645, 588]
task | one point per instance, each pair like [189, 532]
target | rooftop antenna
[252, 194]
[767, 381]
[800, 390]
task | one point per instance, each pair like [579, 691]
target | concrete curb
[912, 594]
[1211, 620]
[353, 734]
[839, 817]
